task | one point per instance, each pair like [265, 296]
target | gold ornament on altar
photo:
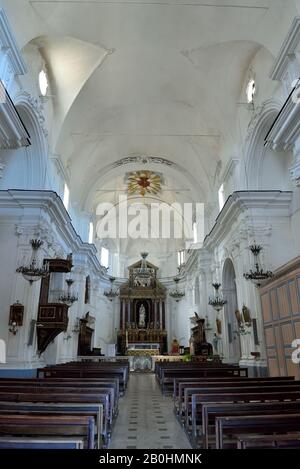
[143, 182]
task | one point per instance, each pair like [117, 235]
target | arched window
[105, 257]
[181, 257]
[221, 197]
[91, 233]
[66, 197]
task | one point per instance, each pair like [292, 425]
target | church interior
[149, 224]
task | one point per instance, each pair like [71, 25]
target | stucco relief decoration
[143, 182]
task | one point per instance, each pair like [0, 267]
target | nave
[146, 419]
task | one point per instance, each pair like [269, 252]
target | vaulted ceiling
[146, 78]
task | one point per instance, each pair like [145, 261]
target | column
[129, 311]
[121, 317]
[160, 315]
[123, 314]
[155, 314]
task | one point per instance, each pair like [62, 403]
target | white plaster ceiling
[150, 78]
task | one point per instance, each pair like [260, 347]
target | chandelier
[111, 294]
[68, 298]
[217, 302]
[177, 294]
[144, 272]
[33, 273]
[258, 275]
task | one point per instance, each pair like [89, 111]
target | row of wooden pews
[69, 406]
[223, 410]
[167, 371]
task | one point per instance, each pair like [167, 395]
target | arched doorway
[229, 292]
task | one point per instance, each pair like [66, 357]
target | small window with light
[66, 200]
[91, 233]
[105, 257]
[221, 197]
[251, 90]
[181, 257]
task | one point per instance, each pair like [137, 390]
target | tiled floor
[146, 419]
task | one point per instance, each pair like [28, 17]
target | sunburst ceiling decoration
[144, 182]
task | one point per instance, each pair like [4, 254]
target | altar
[142, 312]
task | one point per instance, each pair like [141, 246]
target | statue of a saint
[142, 317]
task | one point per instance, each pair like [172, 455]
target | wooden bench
[100, 399]
[61, 382]
[168, 376]
[186, 391]
[41, 443]
[49, 390]
[210, 411]
[234, 427]
[54, 426]
[269, 441]
[29, 408]
[221, 380]
[199, 400]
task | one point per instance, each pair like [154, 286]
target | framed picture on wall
[16, 314]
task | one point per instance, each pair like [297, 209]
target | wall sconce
[16, 315]
[13, 328]
[67, 336]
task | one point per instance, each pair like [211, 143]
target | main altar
[142, 312]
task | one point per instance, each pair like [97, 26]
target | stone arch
[264, 167]
[26, 167]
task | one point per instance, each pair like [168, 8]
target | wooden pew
[49, 389]
[188, 390]
[65, 399]
[210, 411]
[41, 443]
[60, 382]
[29, 408]
[234, 427]
[177, 381]
[199, 400]
[269, 441]
[168, 376]
[75, 372]
[58, 426]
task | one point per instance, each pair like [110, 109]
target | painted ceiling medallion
[143, 182]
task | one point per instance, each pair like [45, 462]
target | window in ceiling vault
[221, 197]
[105, 257]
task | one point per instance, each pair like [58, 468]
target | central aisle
[146, 419]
